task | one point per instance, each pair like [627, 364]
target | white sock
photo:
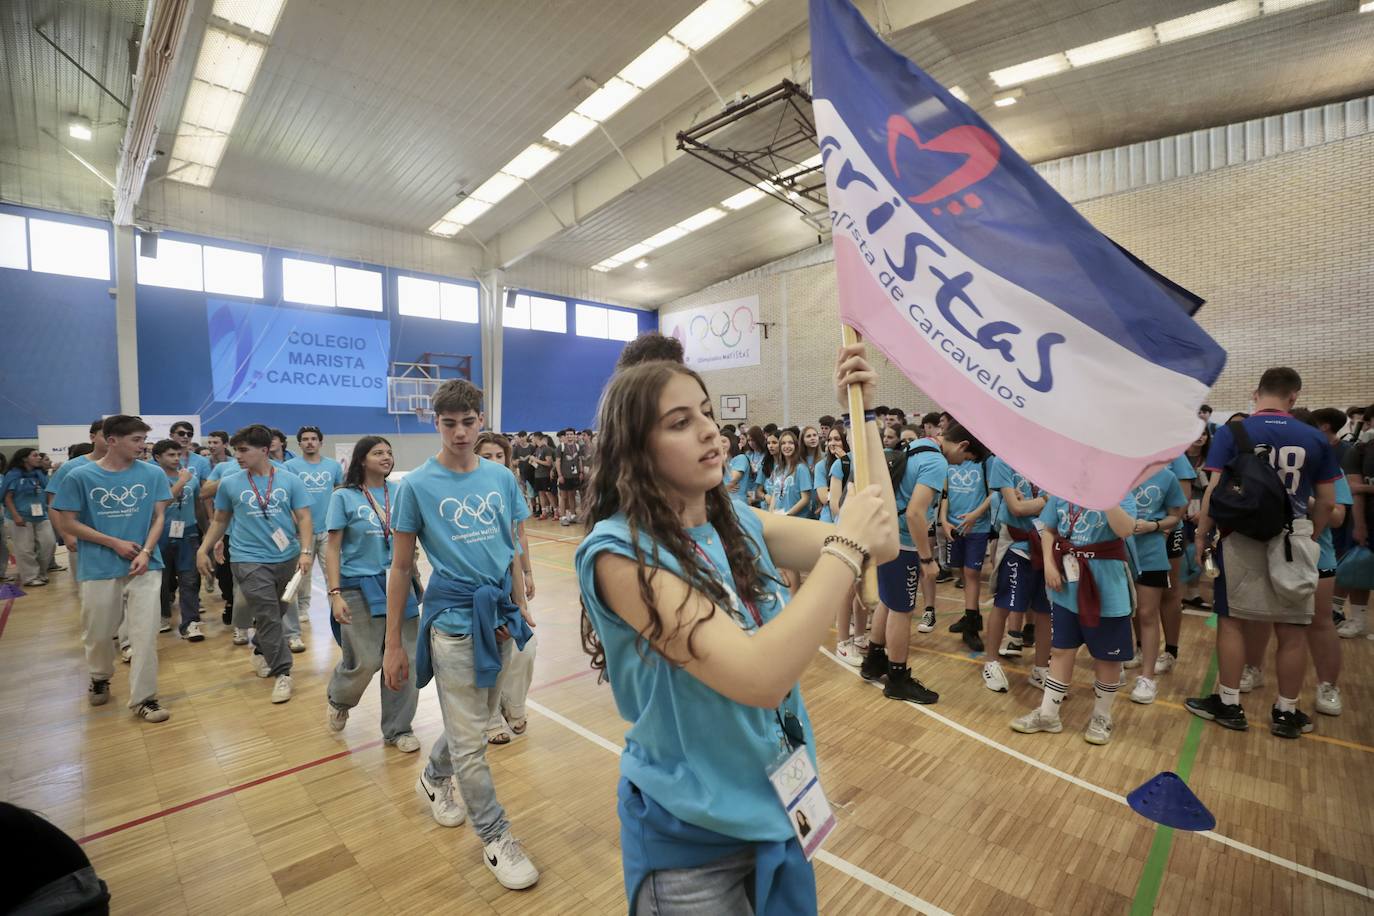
[1229, 695]
[1286, 705]
[1104, 693]
[1054, 695]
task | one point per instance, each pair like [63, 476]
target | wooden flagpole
[862, 463]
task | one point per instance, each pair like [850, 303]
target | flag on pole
[1059, 350]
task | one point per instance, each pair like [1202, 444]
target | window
[177, 265]
[419, 298]
[233, 272]
[358, 289]
[14, 242]
[622, 325]
[307, 282]
[459, 302]
[548, 315]
[591, 321]
[516, 314]
[69, 249]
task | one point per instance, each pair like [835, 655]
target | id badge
[1070, 568]
[802, 798]
[176, 529]
[280, 539]
[36, 510]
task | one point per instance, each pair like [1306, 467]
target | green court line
[1152, 875]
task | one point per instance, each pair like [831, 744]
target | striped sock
[1105, 693]
[1054, 695]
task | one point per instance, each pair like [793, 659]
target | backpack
[1250, 496]
[896, 467]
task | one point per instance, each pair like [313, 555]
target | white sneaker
[150, 711]
[927, 623]
[337, 717]
[1036, 721]
[295, 644]
[260, 665]
[1250, 678]
[406, 744]
[1145, 691]
[446, 810]
[1011, 647]
[1099, 730]
[1329, 699]
[507, 860]
[240, 636]
[1354, 626]
[165, 626]
[1165, 663]
[281, 690]
[849, 653]
[1135, 661]
[994, 678]
[126, 653]
[860, 643]
[1037, 677]
[193, 632]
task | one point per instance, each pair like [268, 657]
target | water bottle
[1209, 565]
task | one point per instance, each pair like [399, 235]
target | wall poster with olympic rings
[724, 335]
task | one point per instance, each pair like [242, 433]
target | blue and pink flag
[1063, 353]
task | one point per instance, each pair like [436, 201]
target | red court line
[563, 680]
[5, 615]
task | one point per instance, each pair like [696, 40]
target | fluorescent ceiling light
[79, 129]
[604, 268]
[666, 237]
[631, 253]
[743, 199]
[701, 26]
[570, 129]
[704, 218]
[467, 211]
[530, 161]
[212, 107]
[495, 188]
[447, 228]
[1282, 6]
[641, 264]
[1208, 20]
[1108, 48]
[661, 58]
[1367, 7]
[204, 148]
[255, 15]
[1031, 70]
[1004, 101]
[228, 60]
[607, 100]
[190, 172]
[959, 94]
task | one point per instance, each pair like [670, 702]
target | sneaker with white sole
[1145, 691]
[1037, 677]
[240, 636]
[1011, 647]
[1036, 721]
[99, 693]
[126, 653]
[1250, 678]
[165, 626]
[150, 711]
[281, 690]
[446, 810]
[506, 859]
[1353, 626]
[1135, 662]
[927, 623]
[337, 717]
[260, 666]
[406, 744]
[849, 653]
[193, 632]
[994, 678]
[1329, 699]
[1099, 730]
[1165, 663]
[295, 644]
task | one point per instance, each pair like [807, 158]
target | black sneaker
[905, 687]
[944, 575]
[1199, 602]
[961, 624]
[973, 641]
[958, 583]
[874, 667]
[1232, 717]
[99, 694]
[1337, 618]
[1289, 724]
[1028, 636]
[227, 617]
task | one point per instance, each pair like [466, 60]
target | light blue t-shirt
[740, 463]
[756, 478]
[1089, 526]
[365, 550]
[791, 488]
[466, 524]
[282, 493]
[1326, 558]
[1154, 497]
[117, 503]
[1000, 475]
[703, 757]
[924, 468]
[320, 479]
[199, 465]
[967, 489]
[835, 474]
[1182, 468]
[63, 470]
[182, 510]
[28, 488]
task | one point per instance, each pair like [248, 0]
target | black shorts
[1175, 542]
[544, 484]
[570, 485]
[1326, 574]
[1153, 578]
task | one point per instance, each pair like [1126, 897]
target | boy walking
[180, 540]
[320, 476]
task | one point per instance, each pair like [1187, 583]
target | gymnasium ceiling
[381, 112]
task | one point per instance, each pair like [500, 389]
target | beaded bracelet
[845, 558]
[847, 542]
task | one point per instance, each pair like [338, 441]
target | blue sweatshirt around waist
[491, 607]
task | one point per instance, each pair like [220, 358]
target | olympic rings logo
[274, 499]
[964, 478]
[1148, 497]
[483, 510]
[315, 480]
[365, 514]
[125, 497]
[728, 327]
[1085, 523]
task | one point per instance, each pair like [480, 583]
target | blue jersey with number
[1299, 452]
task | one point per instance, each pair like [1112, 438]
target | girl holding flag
[684, 610]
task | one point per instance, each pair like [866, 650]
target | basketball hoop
[424, 415]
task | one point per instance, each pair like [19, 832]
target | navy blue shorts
[1020, 586]
[966, 551]
[1112, 640]
[899, 580]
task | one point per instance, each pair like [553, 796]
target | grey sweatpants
[259, 587]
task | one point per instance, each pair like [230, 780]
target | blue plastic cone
[1166, 799]
[10, 591]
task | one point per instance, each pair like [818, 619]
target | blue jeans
[179, 577]
[461, 750]
[722, 887]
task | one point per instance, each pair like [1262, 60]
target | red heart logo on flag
[979, 148]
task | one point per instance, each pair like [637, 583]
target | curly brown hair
[623, 479]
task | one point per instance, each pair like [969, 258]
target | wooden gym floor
[239, 806]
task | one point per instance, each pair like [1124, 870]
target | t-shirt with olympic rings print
[117, 503]
[466, 524]
[258, 512]
[320, 479]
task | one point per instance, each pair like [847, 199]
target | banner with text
[265, 355]
[724, 335]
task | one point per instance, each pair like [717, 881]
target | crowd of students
[715, 560]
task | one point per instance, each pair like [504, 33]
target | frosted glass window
[622, 325]
[417, 298]
[517, 314]
[14, 242]
[307, 282]
[358, 289]
[459, 302]
[548, 315]
[232, 272]
[69, 249]
[591, 321]
[177, 265]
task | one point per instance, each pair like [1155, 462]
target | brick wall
[1281, 247]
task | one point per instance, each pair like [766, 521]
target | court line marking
[1301, 869]
[892, 891]
[5, 615]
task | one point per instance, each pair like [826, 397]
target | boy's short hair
[182, 424]
[649, 348]
[1333, 418]
[1205, 408]
[882, 411]
[277, 434]
[219, 434]
[770, 429]
[1351, 411]
[254, 436]
[827, 420]
[309, 429]
[164, 445]
[97, 425]
[123, 425]
[1280, 381]
[931, 419]
[79, 449]
[457, 395]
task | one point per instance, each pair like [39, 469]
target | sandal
[498, 736]
[518, 725]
